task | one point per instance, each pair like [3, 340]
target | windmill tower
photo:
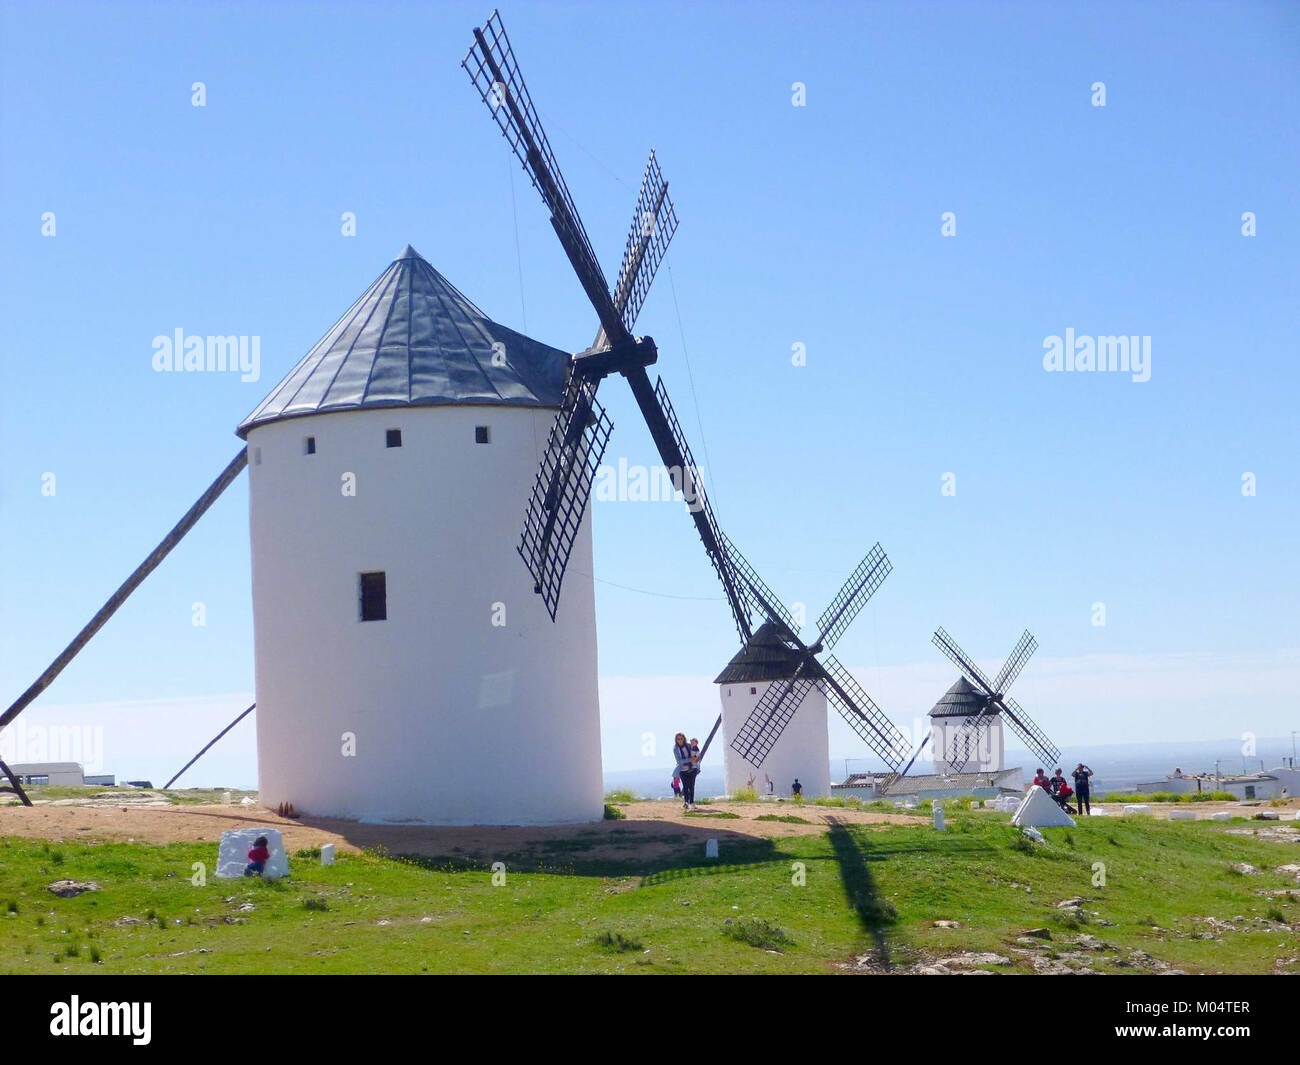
[774, 693]
[803, 750]
[950, 716]
[405, 670]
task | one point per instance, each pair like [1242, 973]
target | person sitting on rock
[258, 857]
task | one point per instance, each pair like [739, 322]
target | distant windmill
[793, 674]
[974, 729]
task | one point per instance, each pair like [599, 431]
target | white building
[405, 669]
[1280, 783]
[803, 750]
[55, 774]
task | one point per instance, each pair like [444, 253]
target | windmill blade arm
[1016, 661]
[653, 225]
[760, 600]
[491, 66]
[962, 660]
[187, 522]
[666, 431]
[560, 493]
[850, 600]
[861, 712]
[1025, 727]
[776, 708]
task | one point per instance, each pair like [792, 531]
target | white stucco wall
[803, 750]
[457, 721]
[989, 756]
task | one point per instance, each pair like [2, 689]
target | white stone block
[1040, 809]
[1222, 815]
[327, 854]
[711, 848]
[232, 855]
[1137, 809]
[1182, 815]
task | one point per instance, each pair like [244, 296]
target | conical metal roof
[767, 656]
[413, 339]
[961, 700]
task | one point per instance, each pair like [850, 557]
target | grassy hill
[860, 896]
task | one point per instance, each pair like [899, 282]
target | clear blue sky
[817, 225]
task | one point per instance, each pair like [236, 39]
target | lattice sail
[774, 710]
[853, 596]
[652, 229]
[491, 66]
[1015, 662]
[559, 498]
[863, 715]
[1035, 738]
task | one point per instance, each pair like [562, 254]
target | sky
[917, 197]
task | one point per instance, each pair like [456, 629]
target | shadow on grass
[681, 857]
[874, 913]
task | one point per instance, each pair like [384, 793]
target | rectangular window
[480, 434]
[753, 691]
[374, 597]
[311, 445]
[257, 456]
[394, 437]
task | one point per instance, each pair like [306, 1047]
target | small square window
[310, 446]
[753, 691]
[374, 597]
[394, 437]
[481, 434]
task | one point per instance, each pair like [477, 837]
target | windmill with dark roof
[966, 724]
[775, 692]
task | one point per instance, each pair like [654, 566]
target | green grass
[788, 819]
[620, 795]
[1167, 796]
[178, 797]
[874, 889]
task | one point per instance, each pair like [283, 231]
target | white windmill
[775, 692]
[405, 670]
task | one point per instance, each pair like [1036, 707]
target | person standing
[796, 788]
[1083, 788]
[686, 769]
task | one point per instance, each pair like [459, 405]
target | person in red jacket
[258, 857]
[1042, 780]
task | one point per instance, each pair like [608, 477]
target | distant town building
[1282, 782]
[984, 785]
[55, 774]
